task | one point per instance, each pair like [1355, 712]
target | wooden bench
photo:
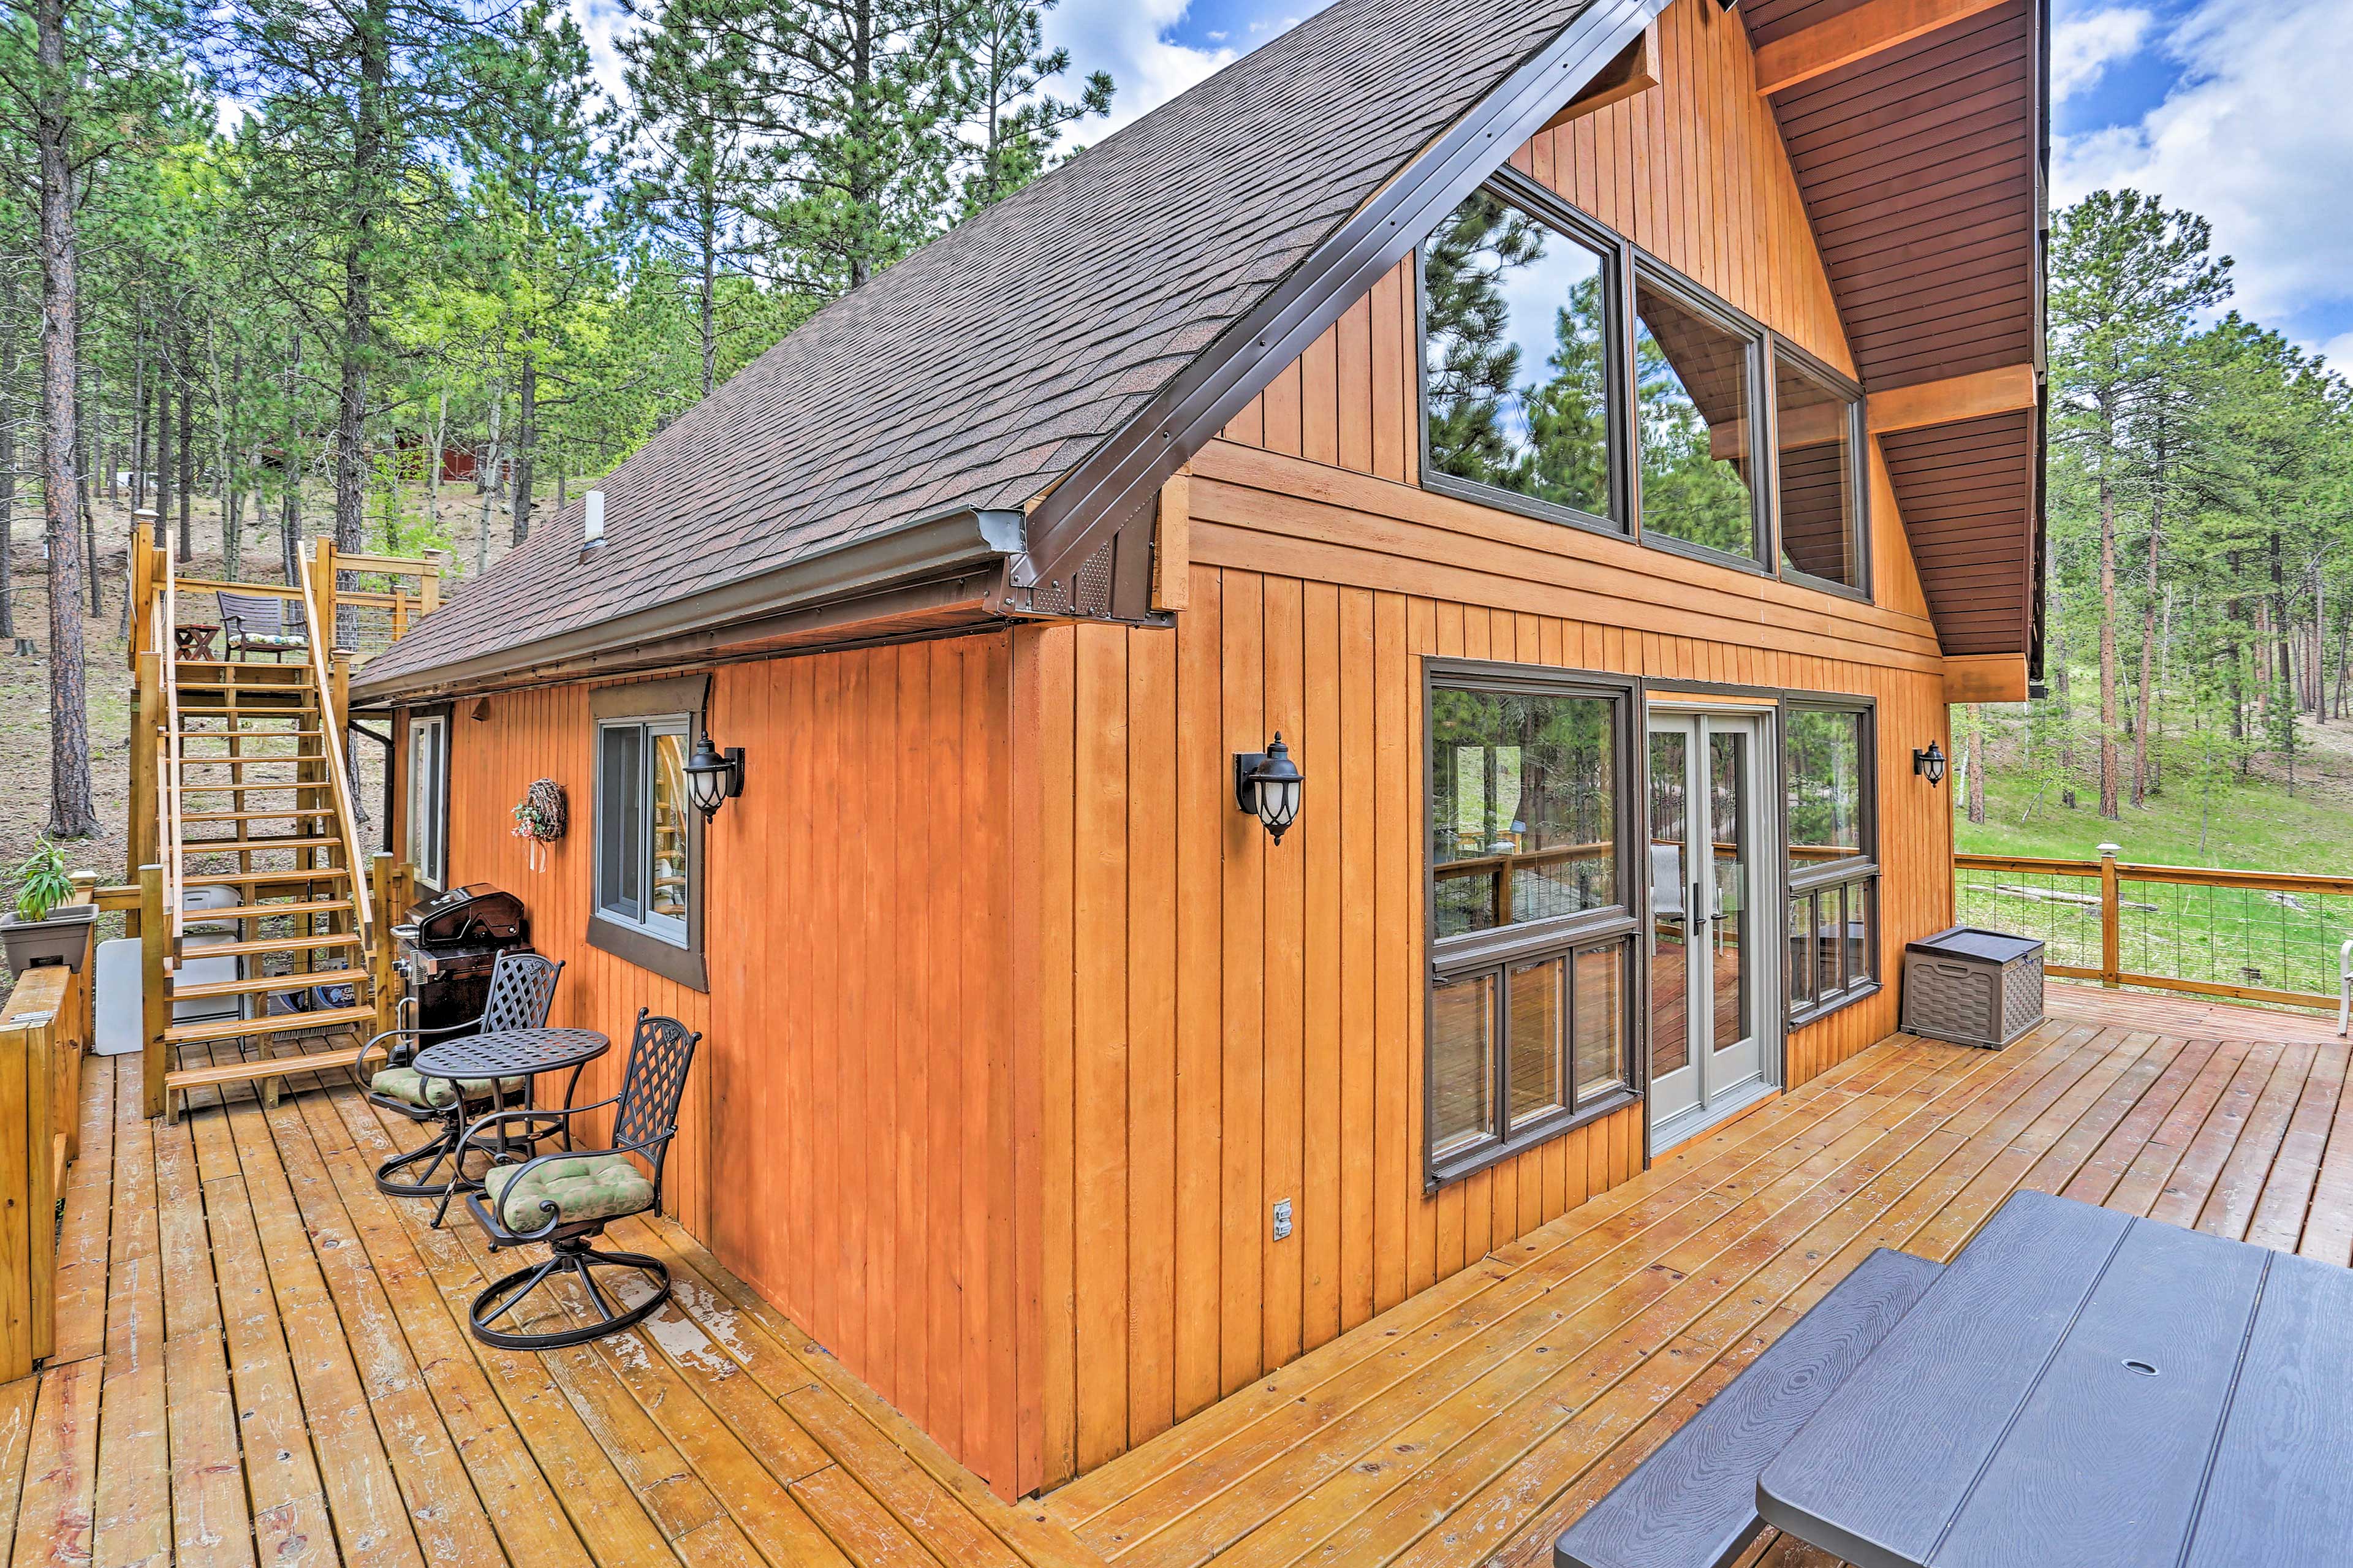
[1692, 1503]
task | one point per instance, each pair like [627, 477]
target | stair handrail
[165, 621]
[319, 629]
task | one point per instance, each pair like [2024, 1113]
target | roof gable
[1047, 334]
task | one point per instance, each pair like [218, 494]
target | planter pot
[63, 938]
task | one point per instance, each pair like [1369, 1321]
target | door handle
[1699, 911]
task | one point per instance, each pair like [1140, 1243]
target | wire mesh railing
[2253, 936]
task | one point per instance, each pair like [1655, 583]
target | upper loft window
[1693, 375]
[1817, 480]
[1517, 353]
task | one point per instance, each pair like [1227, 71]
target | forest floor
[2262, 822]
[25, 678]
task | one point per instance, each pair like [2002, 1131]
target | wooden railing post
[146, 713]
[154, 1003]
[383, 876]
[2112, 965]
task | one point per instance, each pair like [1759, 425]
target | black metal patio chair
[522, 992]
[262, 622]
[566, 1199]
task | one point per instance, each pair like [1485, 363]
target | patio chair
[522, 992]
[2344, 986]
[566, 1199]
[261, 623]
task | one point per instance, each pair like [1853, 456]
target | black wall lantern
[712, 776]
[1266, 785]
[1930, 764]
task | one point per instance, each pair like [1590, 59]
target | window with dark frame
[1518, 336]
[1817, 480]
[644, 857]
[1531, 931]
[429, 798]
[1695, 423]
[1832, 825]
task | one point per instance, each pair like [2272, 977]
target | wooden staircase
[255, 860]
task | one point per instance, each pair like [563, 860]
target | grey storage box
[1972, 987]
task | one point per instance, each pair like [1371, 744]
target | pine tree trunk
[72, 809]
[433, 478]
[2066, 723]
[160, 502]
[138, 379]
[359, 280]
[486, 468]
[2142, 783]
[290, 500]
[188, 448]
[526, 437]
[2284, 719]
[707, 298]
[8, 350]
[2108, 761]
[1976, 762]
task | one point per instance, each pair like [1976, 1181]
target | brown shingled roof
[970, 377]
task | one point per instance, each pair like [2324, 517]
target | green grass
[2252, 825]
[2226, 936]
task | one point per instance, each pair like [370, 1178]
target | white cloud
[2085, 47]
[2339, 351]
[2256, 137]
[1128, 38]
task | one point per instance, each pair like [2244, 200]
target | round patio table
[510, 1053]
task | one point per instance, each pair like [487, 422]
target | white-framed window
[644, 840]
[429, 798]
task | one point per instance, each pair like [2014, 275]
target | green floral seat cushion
[269, 639]
[581, 1186]
[412, 1087]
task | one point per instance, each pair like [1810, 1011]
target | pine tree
[1011, 123]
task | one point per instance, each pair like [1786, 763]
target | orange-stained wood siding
[847, 1138]
[1225, 1022]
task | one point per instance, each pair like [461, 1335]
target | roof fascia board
[936, 548]
[1122, 476]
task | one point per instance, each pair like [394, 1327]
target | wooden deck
[1471, 1424]
[262, 1361]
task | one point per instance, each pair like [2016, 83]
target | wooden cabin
[1600, 438]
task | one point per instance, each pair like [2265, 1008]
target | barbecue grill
[445, 948]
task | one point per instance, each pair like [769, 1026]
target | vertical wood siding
[848, 1140]
[1223, 1023]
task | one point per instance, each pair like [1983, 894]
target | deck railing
[45, 1026]
[2253, 936]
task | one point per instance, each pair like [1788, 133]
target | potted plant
[45, 928]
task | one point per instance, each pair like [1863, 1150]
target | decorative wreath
[540, 820]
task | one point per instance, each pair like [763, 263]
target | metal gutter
[944, 547]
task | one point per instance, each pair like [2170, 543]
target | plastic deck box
[1972, 987]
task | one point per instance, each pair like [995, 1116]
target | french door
[1715, 1034]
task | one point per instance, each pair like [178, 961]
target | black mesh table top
[510, 1054]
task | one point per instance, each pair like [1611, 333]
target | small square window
[429, 798]
[644, 851]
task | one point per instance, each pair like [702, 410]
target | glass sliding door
[1713, 1032]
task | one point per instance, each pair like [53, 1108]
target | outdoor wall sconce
[714, 777]
[1266, 785]
[1930, 764]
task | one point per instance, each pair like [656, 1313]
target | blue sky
[2239, 110]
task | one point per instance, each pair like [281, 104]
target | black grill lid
[1973, 942]
[476, 913]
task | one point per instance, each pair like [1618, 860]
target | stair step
[267, 1067]
[255, 815]
[231, 846]
[249, 735]
[264, 911]
[231, 879]
[280, 1024]
[299, 981]
[244, 788]
[271, 944]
